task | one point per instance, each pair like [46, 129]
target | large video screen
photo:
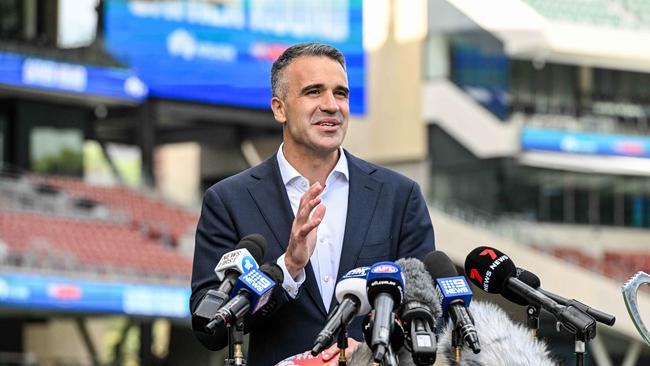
[221, 51]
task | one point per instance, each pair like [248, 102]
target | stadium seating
[52, 222]
[618, 265]
[88, 245]
[157, 217]
[624, 14]
[599, 13]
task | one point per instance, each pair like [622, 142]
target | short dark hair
[295, 51]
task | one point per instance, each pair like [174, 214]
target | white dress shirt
[329, 235]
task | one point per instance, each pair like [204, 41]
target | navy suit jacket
[387, 219]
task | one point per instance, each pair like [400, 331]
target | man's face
[314, 106]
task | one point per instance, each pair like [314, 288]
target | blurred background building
[525, 122]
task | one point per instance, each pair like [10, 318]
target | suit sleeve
[216, 235]
[416, 234]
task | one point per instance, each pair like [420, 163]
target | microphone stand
[235, 342]
[580, 352]
[389, 357]
[342, 344]
[456, 343]
[532, 313]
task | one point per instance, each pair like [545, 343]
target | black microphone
[533, 281]
[241, 259]
[493, 271]
[253, 289]
[385, 286]
[420, 311]
[234, 263]
[351, 293]
[455, 296]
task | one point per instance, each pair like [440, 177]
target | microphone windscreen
[439, 265]
[528, 278]
[418, 285]
[255, 244]
[274, 272]
[503, 342]
[489, 269]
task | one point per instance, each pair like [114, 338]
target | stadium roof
[526, 33]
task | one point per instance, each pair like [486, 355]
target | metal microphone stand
[389, 358]
[456, 343]
[342, 344]
[532, 313]
[235, 342]
[580, 348]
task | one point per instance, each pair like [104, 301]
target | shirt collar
[289, 173]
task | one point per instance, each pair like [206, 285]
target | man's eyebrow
[310, 87]
[322, 86]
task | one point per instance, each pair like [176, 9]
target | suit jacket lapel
[272, 201]
[362, 200]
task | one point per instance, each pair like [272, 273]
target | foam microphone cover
[255, 244]
[493, 268]
[418, 285]
[274, 272]
[503, 342]
[439, 265]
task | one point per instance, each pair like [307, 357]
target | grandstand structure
[63, 223]
[530, 132]
[538, 115]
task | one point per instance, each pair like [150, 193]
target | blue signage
[38, 73]
[584, 143]
[52, 293]
[222, 52]
[450, 289]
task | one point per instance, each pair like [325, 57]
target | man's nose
[328, 103]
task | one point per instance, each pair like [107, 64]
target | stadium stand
[65, 224]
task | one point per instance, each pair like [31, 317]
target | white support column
[601, 356]
[632, 354]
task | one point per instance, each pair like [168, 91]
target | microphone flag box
[385, 271]
[451, 289]
[258, 285]
[240, 260]
[360, 272]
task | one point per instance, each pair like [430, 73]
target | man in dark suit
[373, 214]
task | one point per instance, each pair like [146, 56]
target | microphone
[493, 272]
[504, 341]
[420, 311]
[243, 258]
[253, 289]
[351, 293]
[385, 286]
[454, 295]
[533, 281]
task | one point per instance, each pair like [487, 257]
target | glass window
[56, 150]
[77, 23]
[10, 18]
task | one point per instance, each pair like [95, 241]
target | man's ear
[279, 113]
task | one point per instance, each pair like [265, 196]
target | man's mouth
[328, 123]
